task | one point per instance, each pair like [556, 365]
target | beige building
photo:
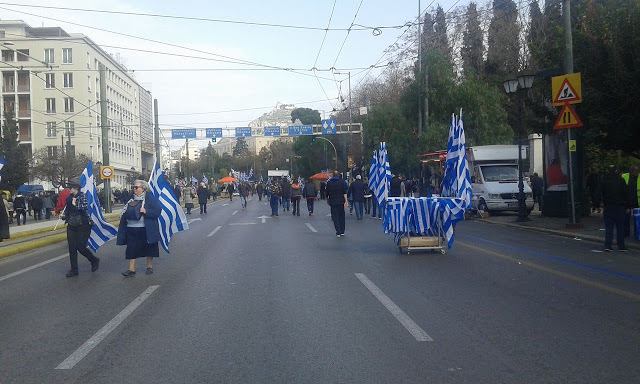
[50, 81]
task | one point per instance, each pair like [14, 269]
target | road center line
[214, 231]
[311, 227]
[413, 328]
[242, 223]
[234, 212]
[20, 272]
[85, 348]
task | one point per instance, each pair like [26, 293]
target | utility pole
[156, 133]
[104, 122]
[419, 68]
[186, 143]
[568, 68]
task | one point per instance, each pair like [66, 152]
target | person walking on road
[275, 191]
[37, 204]
[296, 197]
[260, 191]
[203, 196]
[613, 194]
[48, 205]
[20, 209]
[395, 186]
[139, 229]
[76, 216]
[633, 198]
[4, 219]
[214, 190]
[243, 190]
[356, 191]
[188, 194]
[309, 193]
[536, 189]
[230, 190]
[337, 200]
[367, 197]
[286, 195]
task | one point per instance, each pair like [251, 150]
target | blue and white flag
[373, 173]
[204, 179]
[261, 179]
[101, 231]
[456, 181]
[172, 219]
[251, 173]
[384, 174]
[2, 161]
[194, 180]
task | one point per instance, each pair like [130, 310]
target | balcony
[25, 130]
[8, 82]
[24, 83]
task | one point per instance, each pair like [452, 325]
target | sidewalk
[33, 225]
[593, 226]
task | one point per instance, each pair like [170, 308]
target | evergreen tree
[241, 148]
[441, 39]
[472, 46]
[16, 169]
[503, 54]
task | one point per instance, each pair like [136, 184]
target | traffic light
[213, 139]
[313, 139]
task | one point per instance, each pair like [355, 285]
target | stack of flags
[250, 174]
[101, 231]
[380, 174]
[172, 219]
[204, 179]
[456, 180]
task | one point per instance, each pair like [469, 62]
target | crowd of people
[38, 206]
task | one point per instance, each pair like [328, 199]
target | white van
[494, 178]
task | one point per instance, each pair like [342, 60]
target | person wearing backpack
[296, 196]
[309, 193]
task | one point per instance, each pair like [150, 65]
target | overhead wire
[320, 50]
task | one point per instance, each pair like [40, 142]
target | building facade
[147, 147]
[51, 83]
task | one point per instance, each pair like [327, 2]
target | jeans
[37, 214]
[203, 207]
[243, 201]
[23, 213]
[367, 205]
[296, 206]
[286, 203]
[310, 205]
[337, 215]
[77, 238]
[350, 206]
[358, 205]
[47, 214]
[273, 200]
[613, 216]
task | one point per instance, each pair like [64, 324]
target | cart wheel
[443, 251]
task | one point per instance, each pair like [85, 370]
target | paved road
[278, 303]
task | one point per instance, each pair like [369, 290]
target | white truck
[494, 178]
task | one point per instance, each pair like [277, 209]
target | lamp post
[511, 87]
[334, 148]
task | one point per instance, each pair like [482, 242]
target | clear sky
[181, 92]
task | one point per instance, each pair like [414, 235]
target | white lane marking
[398, 313]
[234, 212]
[214, 231]
[192, 220]
[242, 223]
[85, 348]
[20, 272]
[328, 215]
[264, 218]
[311, 227]
[224, 205]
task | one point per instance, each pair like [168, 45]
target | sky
[186, 96]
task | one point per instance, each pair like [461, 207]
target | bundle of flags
[172, 219]
[300, 180]
[2, 161]
[194, 180]
[235, 174]
[380, 174]
[101, 231]
[204, 179]
[456, 180]
[250, 173]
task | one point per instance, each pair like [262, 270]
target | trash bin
[636, 217]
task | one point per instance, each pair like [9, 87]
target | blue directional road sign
[243, 131]
[297, 130]
[329, 127]
[214, 132]
[183, 133]
[272, 131]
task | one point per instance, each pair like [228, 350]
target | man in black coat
[260, 191]
[203, 196]
[356, 191]
[536, 189]
[395, 186]
[37, 204]
[20, 209]
[613, 194]
[337, 200]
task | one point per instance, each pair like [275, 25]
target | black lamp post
[511, 87]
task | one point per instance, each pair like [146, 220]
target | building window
[68, 80]
[69, 128]
[49, 56]
[51, 129]
[7, 55]
[51, 105]
[68, 104]
[23, 54]
[52, 151]
[66, 56]
[49, 80]
[2, 34]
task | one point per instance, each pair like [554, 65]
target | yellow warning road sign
[572, 145]
[568, 118]
[566, 89]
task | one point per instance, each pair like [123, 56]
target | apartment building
[51, 83]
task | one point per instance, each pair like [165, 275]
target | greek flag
[235, 174]
[2, 161]
[384, 174]
[373, 172]
[456, 181]
[172, 219]
[251, 173]
[101, 231]
[299, 180]
[204, 178]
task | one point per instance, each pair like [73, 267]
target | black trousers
[23, 213]
[77, 238]
[614, 216]
[337, 215]
[296, 206]
[310, 205]
[629, 223]
[203, 207]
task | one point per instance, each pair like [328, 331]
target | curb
[49, 229]
[593, 239]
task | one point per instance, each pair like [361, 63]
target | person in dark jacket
[260, 191]
[203, 196]
[613, 195]
[139, 229]
[275, 191]
[323, 190]
[76, 215]
[37, 204]
[395, 186]
[230, 190]
[20, 209]
[537, 189]
[178, 192]
[296, 197]
[356, 191]
[337, 200]
[309, 193]
[286, 194]
[4, 220]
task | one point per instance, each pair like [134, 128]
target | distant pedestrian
[356, 191]
[593, 185]
[243, 190]
[310, 194]
[48, 205]
[230, 190]
[139, 229]
[37, 204]
[296, 197]
[367, 197]
[178, 192]
[613, 195]
[20, 209]
[395, 186]
[188, 194]
[4, 220]
[214, 190]
[203, 196]
[260, 191]
[337, 200]
[275, 191]
[79, 224]
[537, 190]
[286, 194]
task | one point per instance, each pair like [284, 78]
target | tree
[503, 54]
[16, 170]
[241, 148]
[472, 47]
[306, 116]
[441, 41]
[57, 168]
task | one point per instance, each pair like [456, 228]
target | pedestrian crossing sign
[566, 89]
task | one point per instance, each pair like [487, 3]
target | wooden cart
[423, 243]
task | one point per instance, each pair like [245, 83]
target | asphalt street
[285, 301]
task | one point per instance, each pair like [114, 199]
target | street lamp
[511, 87]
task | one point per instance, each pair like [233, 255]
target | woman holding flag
[139, 229]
